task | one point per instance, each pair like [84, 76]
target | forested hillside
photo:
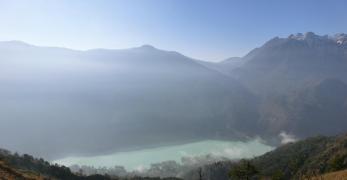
[26, 167]
[307, 158]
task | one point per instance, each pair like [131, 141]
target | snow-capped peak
[307, 36]
[341, 38]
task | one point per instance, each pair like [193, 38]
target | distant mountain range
[300, 81]
[65, 102]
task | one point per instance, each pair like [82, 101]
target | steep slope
[340, 175]
[287, 75]
[8, 173]
[317, 108]
[283, 64]
[308, 158]
[14, 166]
[314, 155]
[83, 102]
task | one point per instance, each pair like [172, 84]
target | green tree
[243, 170]
[338, 162]
[278, 175]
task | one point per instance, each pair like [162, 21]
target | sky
[210, 30]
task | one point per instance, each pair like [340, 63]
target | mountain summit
[340, 38]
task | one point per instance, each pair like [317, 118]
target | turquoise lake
[143, 158]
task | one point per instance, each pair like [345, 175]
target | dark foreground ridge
[26, 167]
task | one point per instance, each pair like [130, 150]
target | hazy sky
[208, 30]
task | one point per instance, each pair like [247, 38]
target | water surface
[143, 158]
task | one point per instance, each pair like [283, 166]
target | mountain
[120, 100]
[299, 81]
[67, 102]
[320, 107]
[232, 63]
[283, 64]
[309, 158]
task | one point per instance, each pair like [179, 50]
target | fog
[63, 102]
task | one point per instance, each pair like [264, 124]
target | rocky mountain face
[284, 64]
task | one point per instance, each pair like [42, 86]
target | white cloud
[287, 138]
[140, 168]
